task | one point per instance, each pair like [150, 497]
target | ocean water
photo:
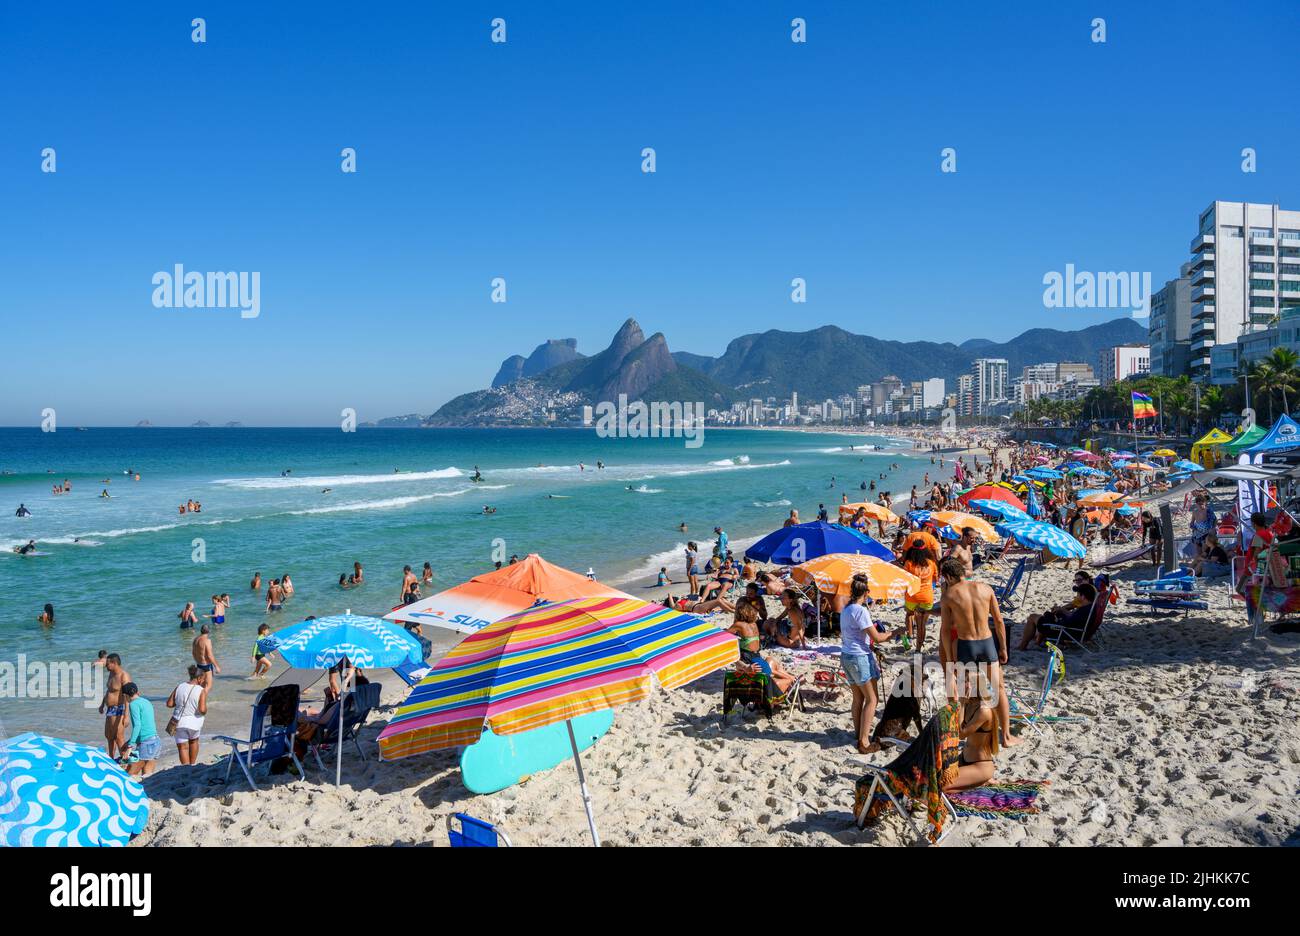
[118, 570]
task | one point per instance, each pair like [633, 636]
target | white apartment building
[932, 392]
[988, 383]
[1124, 361]
[1245, 270]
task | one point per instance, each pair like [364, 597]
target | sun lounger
[1129, 555]
[1165, 604]
[270, 735]
[467, 832]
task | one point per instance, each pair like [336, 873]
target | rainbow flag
[1143, 408]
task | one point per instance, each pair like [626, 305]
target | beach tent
[1277, 448]
[795, 544]
[489, 597]
[1242, 441]
[1205, 450]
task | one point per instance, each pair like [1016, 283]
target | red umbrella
[991, 492]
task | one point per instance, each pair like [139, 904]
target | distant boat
[81, 428]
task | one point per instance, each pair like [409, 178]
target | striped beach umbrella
[1038, 535]
[1000, 509]
[550, 664]
[956, 520]
[60, 793]
[833, 574]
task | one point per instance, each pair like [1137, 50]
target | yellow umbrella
[1165, 453]
[874, 511]
[833, 574]
[958, 519]
[1141, 466]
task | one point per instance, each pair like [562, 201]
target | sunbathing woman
[745, 627]
[787, 630]
[978, 731]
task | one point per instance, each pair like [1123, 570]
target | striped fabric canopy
[552, 663]
[1038, 535]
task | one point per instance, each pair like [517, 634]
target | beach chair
[358, 705]
[750, 687]
[270, 735]
[1030, 706]
[1005, 592]
[412, 673]
[467, 832]
[890, 781]
[1106, 593]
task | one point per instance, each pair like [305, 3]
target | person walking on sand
[189, 702]
[967, 642]
[143, 744]
[203, 656]
[113, 706]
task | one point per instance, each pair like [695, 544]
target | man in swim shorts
[203, 656]
[967, 642]
[113, 705]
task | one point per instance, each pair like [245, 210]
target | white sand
[1192, 738]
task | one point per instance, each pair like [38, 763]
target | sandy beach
[1191, 738]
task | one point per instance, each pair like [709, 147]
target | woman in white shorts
[189, 700]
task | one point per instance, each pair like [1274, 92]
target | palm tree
[1285, 367]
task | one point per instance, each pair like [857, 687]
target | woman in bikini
[745, 627]
[978, 726]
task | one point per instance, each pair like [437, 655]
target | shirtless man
[274, 596]
[203, 656]
[961, 551]
[256, 583]
[113, 705]
[966, 638]
[408, 581]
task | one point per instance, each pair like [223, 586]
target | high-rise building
[988, 382]
[1068, 371]
[1169, 330]
[965, 395]
[932, 391]
[1244, 272]
[1124, 361]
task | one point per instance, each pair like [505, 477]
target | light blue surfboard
[499, 761]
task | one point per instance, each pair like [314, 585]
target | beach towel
[1014, 799]
[922, 771]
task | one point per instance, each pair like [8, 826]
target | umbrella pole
[582, 785]
[338, 762]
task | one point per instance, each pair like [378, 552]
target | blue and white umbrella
[1037, 535]
[1044, 474]
[365, 642]
[60, 793]
[1184, 465]
[1000, 509]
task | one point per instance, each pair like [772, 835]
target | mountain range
[818, 364]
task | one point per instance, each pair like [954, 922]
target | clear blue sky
[522, 160]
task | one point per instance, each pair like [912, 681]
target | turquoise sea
[118, 570]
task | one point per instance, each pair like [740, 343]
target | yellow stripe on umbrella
[874, 511]
[959, 520]
[834, 573]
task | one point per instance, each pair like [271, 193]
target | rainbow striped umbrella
[550, 664]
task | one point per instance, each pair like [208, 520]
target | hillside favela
[650, 426]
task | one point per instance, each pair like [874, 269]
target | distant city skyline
[775, 161]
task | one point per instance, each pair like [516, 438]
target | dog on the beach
[903, 707]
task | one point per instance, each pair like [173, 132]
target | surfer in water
[24, 550]
[477, 476]
[22, 511]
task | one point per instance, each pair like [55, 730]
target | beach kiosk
[1207, 450]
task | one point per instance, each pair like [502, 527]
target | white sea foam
[332, 481]
[724, 466]
[389, 503]
[728, 462]
[647, 490]
[776, 503]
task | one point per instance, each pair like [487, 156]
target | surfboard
[500, 761]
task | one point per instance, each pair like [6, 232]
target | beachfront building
[1122, 362]
[988, 383]
[932, 392]
[1244, 272]
[965, 404]
[1169, 329]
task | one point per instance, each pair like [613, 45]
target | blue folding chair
[1005, 593]
[270, 735]
[412, 673]
[360, 702]
[474, 833]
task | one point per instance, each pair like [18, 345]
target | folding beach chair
[876, 782]
[750, 687]
[1030, 707]
[1106, 593]
[1005, 592]
[357, 706]
[467, 832]
[412, 673]
[270, 735]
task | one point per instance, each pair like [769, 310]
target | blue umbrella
[795, 544]
[918, 516]
[365, 642]
[1037, 535]
[1125, 454]
[1044, 474]
[1184, 465]
[1000, 509]
[1046, 445]
[56, 793]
